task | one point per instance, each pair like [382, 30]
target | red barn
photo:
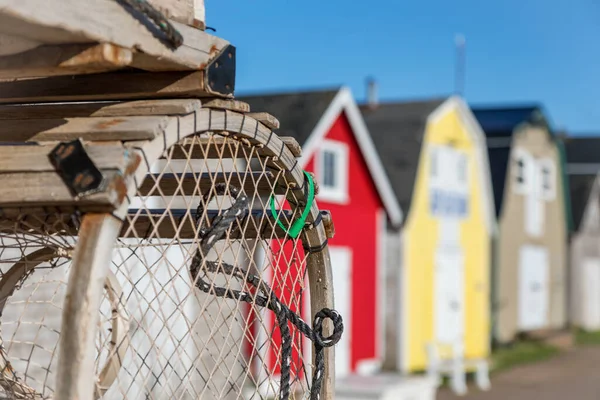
[353, 186]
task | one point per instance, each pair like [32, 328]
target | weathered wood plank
[199, 14]
[52, 60]
[87, 277]
[35, 158]
[266, 119]
[219, 147]
[227, 104]
[184, 11]
[47, 188]
[99, 109]
[292, 145]
[258, 224]
[195, 184]
[102, 128]
[10, 44]
[75, 21]
[108, 86]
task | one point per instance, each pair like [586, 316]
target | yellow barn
[438, 262]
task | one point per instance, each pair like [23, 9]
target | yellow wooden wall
[420, 240]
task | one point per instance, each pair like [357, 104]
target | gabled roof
[502, 122]
[298, 112]
[580, 187]
[308, 116]
[397, 130]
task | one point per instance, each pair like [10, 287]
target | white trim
[483, 169]
[344, 101]
[338, 194]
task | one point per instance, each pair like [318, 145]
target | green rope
[298, 225]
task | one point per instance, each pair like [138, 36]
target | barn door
[449, 295]
[533, 287]
[341, 265]
[591, 293]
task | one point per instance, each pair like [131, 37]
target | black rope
[154, 21]
[264, 297]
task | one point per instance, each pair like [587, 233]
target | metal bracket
[77, 169]
[220, 74]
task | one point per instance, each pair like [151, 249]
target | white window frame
[434, 163]
[550, 193]
[528, 163]
[462, 156]
[338, 194]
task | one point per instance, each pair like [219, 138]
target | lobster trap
[157, 239]
[167, 249]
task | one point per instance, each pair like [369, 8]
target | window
[332, 171]
[522, 162]
[329, 169]
[547, 179]
[520, 171]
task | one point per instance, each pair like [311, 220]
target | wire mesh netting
[186, 313]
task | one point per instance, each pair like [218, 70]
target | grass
[586, 338]
[521, 353]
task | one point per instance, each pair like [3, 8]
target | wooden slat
[10, 44]
[266, 119]
[190, 12]
[80, 318]
[99, 109]
[292, 145]
[218, 147]
[104, 128]
[35, 158]
[108, 86]
[51, 221]
[257, 225]
[227, 104]
[53, 60]
[47, 188]
[195, 184]
[76, 21]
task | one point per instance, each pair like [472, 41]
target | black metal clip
[77, 169]
[220, 74]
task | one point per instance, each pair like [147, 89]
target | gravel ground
[572, 375]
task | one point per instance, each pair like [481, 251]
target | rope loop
[338, 328]
[265, 297]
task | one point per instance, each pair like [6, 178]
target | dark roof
[502, 122]
[298, 112]
[580, 187]
[397, 130]
[582, 149]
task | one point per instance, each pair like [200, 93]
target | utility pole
[460, 66]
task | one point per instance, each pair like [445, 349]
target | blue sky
[518, 51]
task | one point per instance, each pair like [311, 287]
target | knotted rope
[155, 21]
[265, 297]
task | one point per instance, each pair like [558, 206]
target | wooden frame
[45, 38]
[99, 231]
